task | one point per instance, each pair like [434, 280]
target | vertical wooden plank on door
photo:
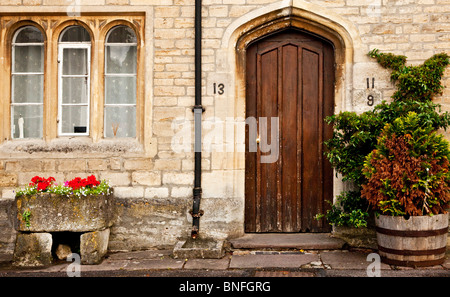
[268, 99]
[299, 138]
[288, 135]
[311, 185]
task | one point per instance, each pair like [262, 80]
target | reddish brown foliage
[405, 174]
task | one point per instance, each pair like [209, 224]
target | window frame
[13, 73]
[62, 45]
[106, 75]
[61, 48]
[98, 25]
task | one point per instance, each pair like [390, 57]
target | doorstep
[280, 241]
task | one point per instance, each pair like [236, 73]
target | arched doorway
[290, 75]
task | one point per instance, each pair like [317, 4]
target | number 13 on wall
[218, 88]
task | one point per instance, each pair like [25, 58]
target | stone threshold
[280, 241]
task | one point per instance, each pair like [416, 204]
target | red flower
[42, 183]
[78, 182]
[92, 181]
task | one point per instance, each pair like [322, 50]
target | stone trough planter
[43, 217]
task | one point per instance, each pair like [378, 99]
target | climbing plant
[419, 83]
[355, 135]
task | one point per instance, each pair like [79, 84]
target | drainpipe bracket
[197, 215]
[198, 107]
[197, 191]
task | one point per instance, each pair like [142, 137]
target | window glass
[121, 34]
[120, 82]
[74, 90]
[121, 59]
[27, 88]
[28, 58]
[75, 119]
[120, 121]
[29, 34]
[120, 90]
[74, 81]
[75, 61]
[27, 83]
[75, 34]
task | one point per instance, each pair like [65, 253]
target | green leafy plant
[349, 210]
[420, 82]
[26, 217]
[355, 135]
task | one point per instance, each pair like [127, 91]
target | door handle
[258, 140]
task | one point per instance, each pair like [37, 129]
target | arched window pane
[121, 34]
[27, 83]
[75, 34]
[120, 82]
[29, 34]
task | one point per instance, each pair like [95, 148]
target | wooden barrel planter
[415, 242]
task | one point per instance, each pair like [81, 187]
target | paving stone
[155, 264]
[212, 264]
[149, 254]
[106, 265]
[347, 260]
[272, 261]
[284, 274]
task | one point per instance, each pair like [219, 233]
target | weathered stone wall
[153, 183]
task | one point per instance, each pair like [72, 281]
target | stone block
[93, 246]
[8, 180]
[148, 223]
[129, 192]
[63, 251]
[178, 178]
[138, 164]
[33, 249]
[72, 165]
[116, 178]
[57, 213]
[115, 163]
[181, 192]
[97, 164]
[147, 178]
[156, 193]
[200, 248]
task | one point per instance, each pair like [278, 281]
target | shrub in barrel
[408, 185]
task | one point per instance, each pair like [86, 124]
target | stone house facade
[147, 152]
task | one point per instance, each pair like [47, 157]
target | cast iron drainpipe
[198, 109]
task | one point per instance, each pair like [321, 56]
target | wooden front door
[290, 76]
